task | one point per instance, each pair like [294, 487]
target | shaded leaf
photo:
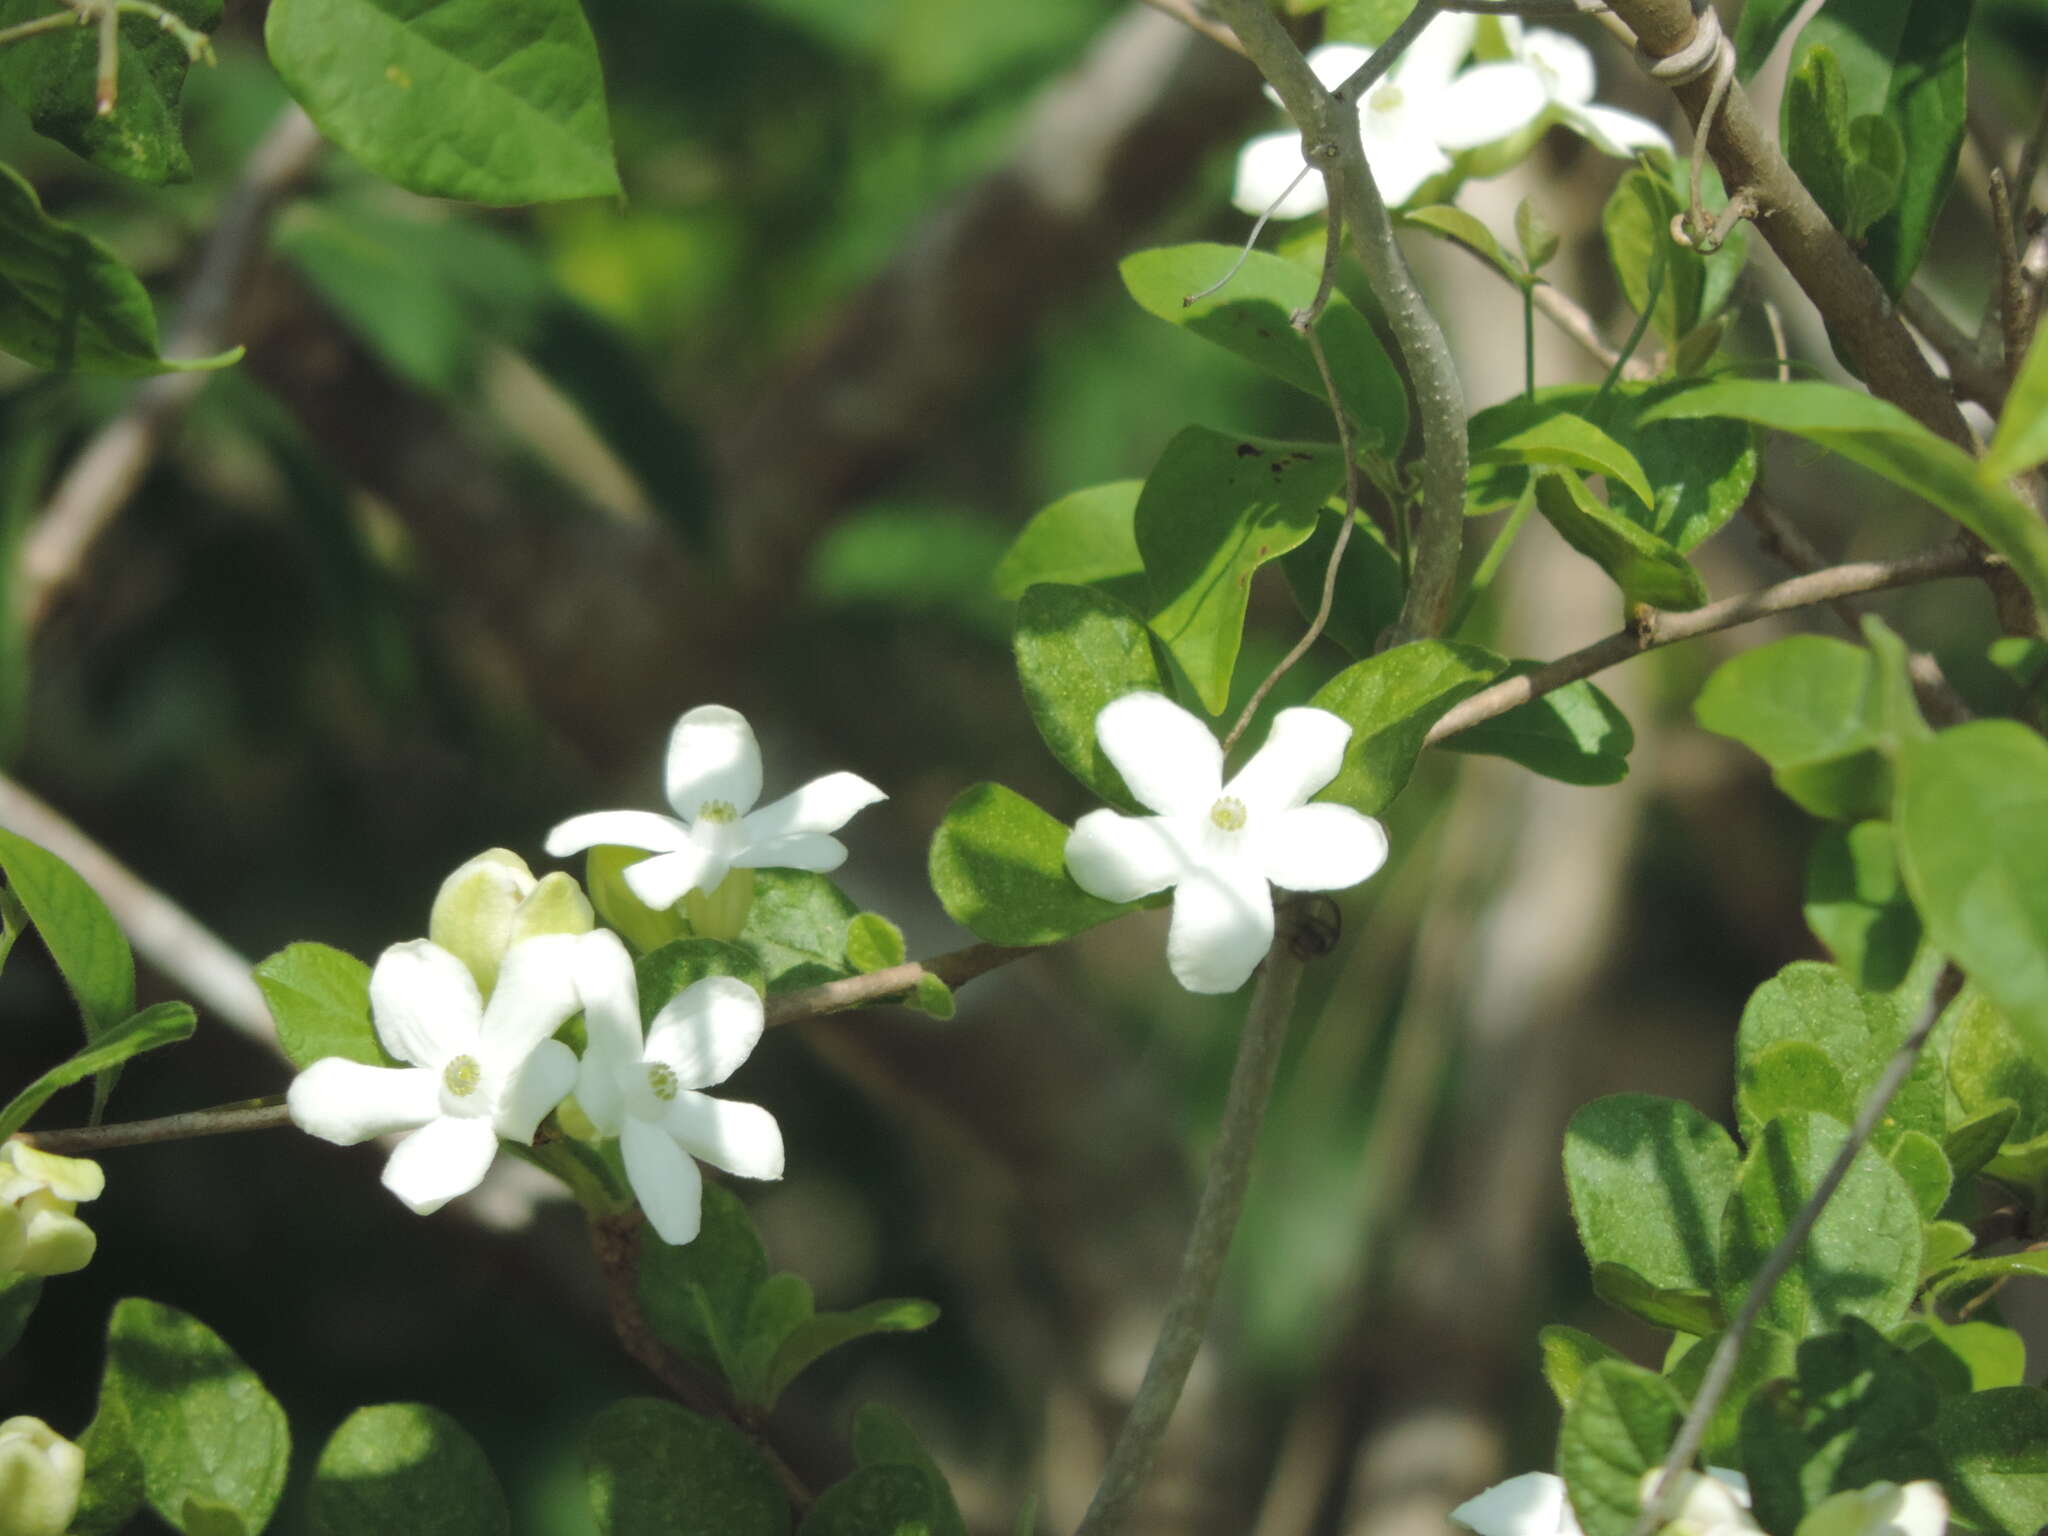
[1084, 537]
[405, 1467]
[1647, 569]
[657, 1469]
[1078, 650]
[1390, 701]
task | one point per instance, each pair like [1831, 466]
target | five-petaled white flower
[1563, 69]
[645, 1091]
[1534, 1504]
[713, 780]
[1220, 846]
[473, 1073]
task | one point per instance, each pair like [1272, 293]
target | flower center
[661, 1080]
[1228, 814]
[1386, 99]
[719, 812]
[461, 1076]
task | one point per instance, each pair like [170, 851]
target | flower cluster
[1428, 109]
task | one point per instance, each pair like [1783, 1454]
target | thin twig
[2030, 157]
[1187, 1313]
[955, 969]
[2015, 307]
[1970, 376]
[1721, 1369]
[264, 1114]
[1194, 15]
[1938, 563]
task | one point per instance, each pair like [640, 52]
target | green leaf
[881, 1439]
[1924, 1166]
[1789, 1075]
[1975, 1141]
[797, 925]
[67, 303]
[1618, 1427]
[1857, 1032]
[1565, 441]
[113, 1493]
[697, 1297]
[886, 1500]
[320, 998]
[1852, 167]
[656, 1469]
[1084, 537]
[212, 1442]
[1863, 1258]
[1253, 316]
[1888, 442]
[158, 1025]
[641, 926]
[54, 77]
[873, 943]
[1567, 1355]
[19, 1294]
[1964, 1280]
[1462, 228]
[1214, 509]
[1765, 1356]
[933, 997]
[1682, 1311]
[1648, 1178]
[1689, 287]
[1369, 582]
[1079, 649]
[667, 972]
[1973, 823]
[1941, 1245]
[1806, 705]
[1390, 701]
[1647, 569]
[489, 101]
[1965, 1357]
[999, 867]
[1573, 734]
[1857, 904]
[827, 1331]
[405, 1467]
[2021, 441]
[1994, 1451]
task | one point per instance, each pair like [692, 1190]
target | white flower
[1563, 66]
[644, 1091]
[473, 1073]
[1220, 846]
[39, 1191]
[714, 778]
[1534, 1504]
[41, 1474]
[1882, 1509]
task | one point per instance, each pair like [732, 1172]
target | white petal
[1566, 63]
[1486, 104]
[740, 1138]
[1334, 63]
[535, 995]
[1121, 858]
[610, 995]
[424, 1003]
[705, 1031]
[713, 756]
[803, 850]
[346, 1102]
[621, 829]
[1530, 1505]
[1402, 156]
[823, 805]
[442, 1159]
[1433, 58]
[1270, 166]
[1319, 847]
[666, 1183]
[601, 1089]
[1222, 927]
[662, 881]
[1922, 1510]
[1171, 761]
[1302, 752]
[1614, 132]
[547, 1077]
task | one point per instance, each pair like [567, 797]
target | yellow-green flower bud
[39, 1193]
[40, 1476]
[570, 1116]
[492, 902]
[556, 905]
[640, 925]
[722, 913]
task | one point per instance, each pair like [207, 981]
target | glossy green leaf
[1078, 649]
[2021, 441]
[1618, 1427]
[1853, 166]
[1573, 734]
[1565, 441]
[657, 1469]
[697, 1297]
[1369, 583]
[489, 101]
[320, 998]
[1083, 537]
[1568, 1354]
[1690, 288]
[212, 1441]
[1807, 705]
[1252, 315]
[405, 1467]
[1888, 442]
[1647, 569]
[1856, 903]
[672, 969]
[1994, 1451]
[1455, 224]
[873, 943]
[67, 303]
[54, 78]
[1924, 1166]
[1648, 1178]
[1863, 1258]
[797, 926]
[159, 1025]
[1214, 509]
[999, 867]
[1973, 822]
[1965, 1357]
[1390, 701]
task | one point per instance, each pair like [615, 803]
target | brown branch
[1972, 377]
[265, 1114]
[1192, 13]
[955, 969]
[1944, 560]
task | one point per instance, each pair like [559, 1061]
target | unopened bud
[39, 1194]
[631, 918]
[40, 1476]
[492, 902]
